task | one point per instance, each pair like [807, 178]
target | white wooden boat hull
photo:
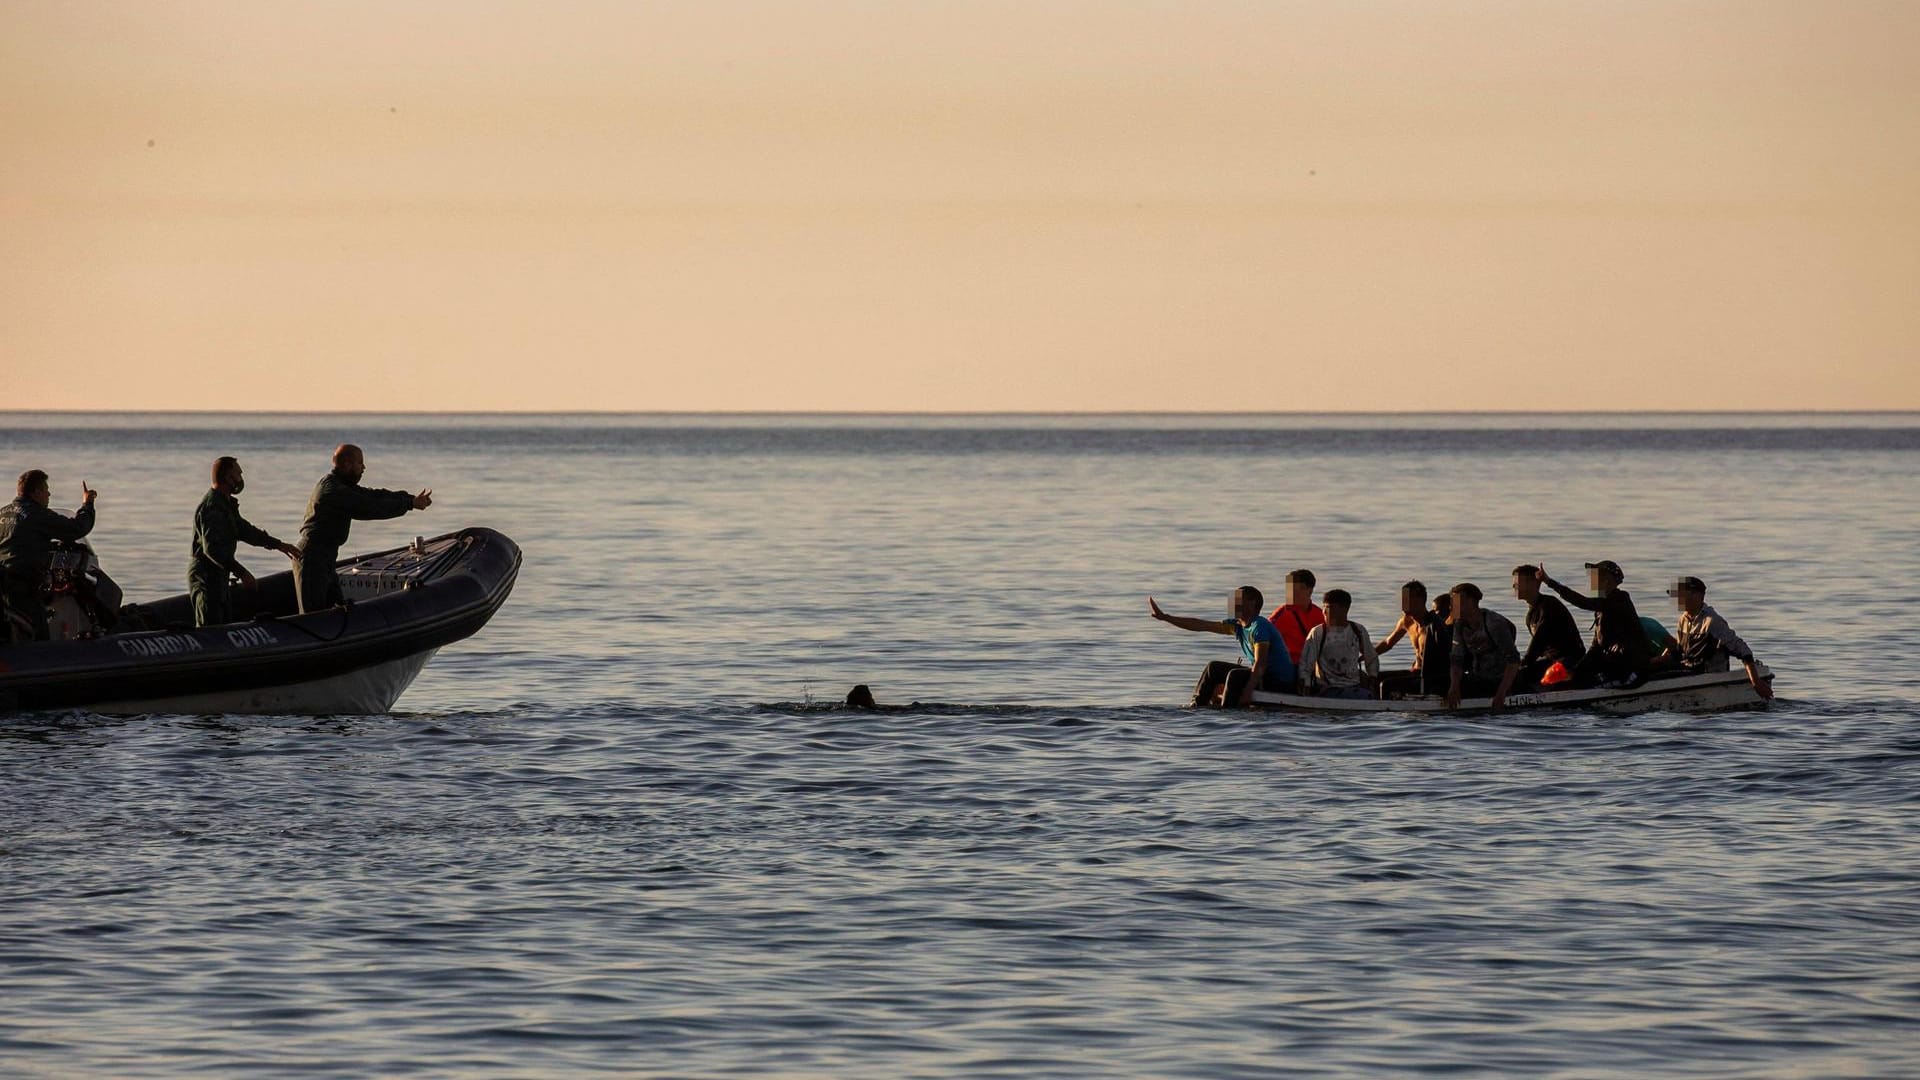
[1690, 693]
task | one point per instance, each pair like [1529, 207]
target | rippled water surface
[622, 832]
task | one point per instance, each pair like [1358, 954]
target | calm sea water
[619, 832]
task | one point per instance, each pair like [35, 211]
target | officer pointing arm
[338, 501]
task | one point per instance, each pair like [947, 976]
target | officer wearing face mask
[218, 529]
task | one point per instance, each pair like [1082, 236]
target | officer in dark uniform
[28, 530]
[218, 529]
[338, 501]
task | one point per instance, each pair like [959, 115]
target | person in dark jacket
[1556, 637]
[28, 530]
[1619, 654]
[218, 529]
[339, 501]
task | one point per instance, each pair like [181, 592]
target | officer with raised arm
[338, 501]
[28, 531]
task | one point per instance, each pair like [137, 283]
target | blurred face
[1299, 592]
[1240, 606]
[1689, 600]
[1412, 603]
[1337, 613]
[235, 479]
[1465, 606]
[355, 466]
[1525, 587]
[1599, 581]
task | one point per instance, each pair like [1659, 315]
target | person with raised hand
[1268, 667]
[28, 530]
[338, 501]
[1619, 653]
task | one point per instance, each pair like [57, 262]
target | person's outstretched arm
[1577, 599]
[375, 504]
[1730, 641]
[1205, 626]
[68, 529]
[1387, 643]
[1502, 633]
[1457, 670]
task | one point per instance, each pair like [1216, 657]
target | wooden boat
[401, 607]
[1684, 693]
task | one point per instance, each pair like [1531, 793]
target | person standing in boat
[1556, 637]
[339, 501]
[1706, 640]
[1296, 618]
[1619, 654]
[218, 529]
[1267, 667]
[1338, 660]
[1484, 660]
[28, 531]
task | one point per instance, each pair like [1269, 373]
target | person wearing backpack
[1338, 660]
[1484, 659]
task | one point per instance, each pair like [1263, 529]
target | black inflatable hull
[403, 605]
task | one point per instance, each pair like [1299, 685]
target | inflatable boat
[401, 607]
[1685, 693]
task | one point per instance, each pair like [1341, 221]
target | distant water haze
[989, 206]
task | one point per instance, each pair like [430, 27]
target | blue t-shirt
[1280, 669]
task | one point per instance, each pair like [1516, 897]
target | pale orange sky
[1024, 205]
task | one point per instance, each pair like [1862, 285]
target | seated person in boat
[28, 531]
[1556, 637]
[218, 530]
[1484, 661]
[1619, 653]
[1338, 660]
[1295, 618]
[1426, 631]
[1267, 667]
[1706, 640]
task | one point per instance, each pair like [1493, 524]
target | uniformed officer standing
[28, 530]
[338, 501]
[218, 529]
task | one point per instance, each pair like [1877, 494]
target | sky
[1021, 205]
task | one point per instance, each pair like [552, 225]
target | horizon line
[965, 412]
